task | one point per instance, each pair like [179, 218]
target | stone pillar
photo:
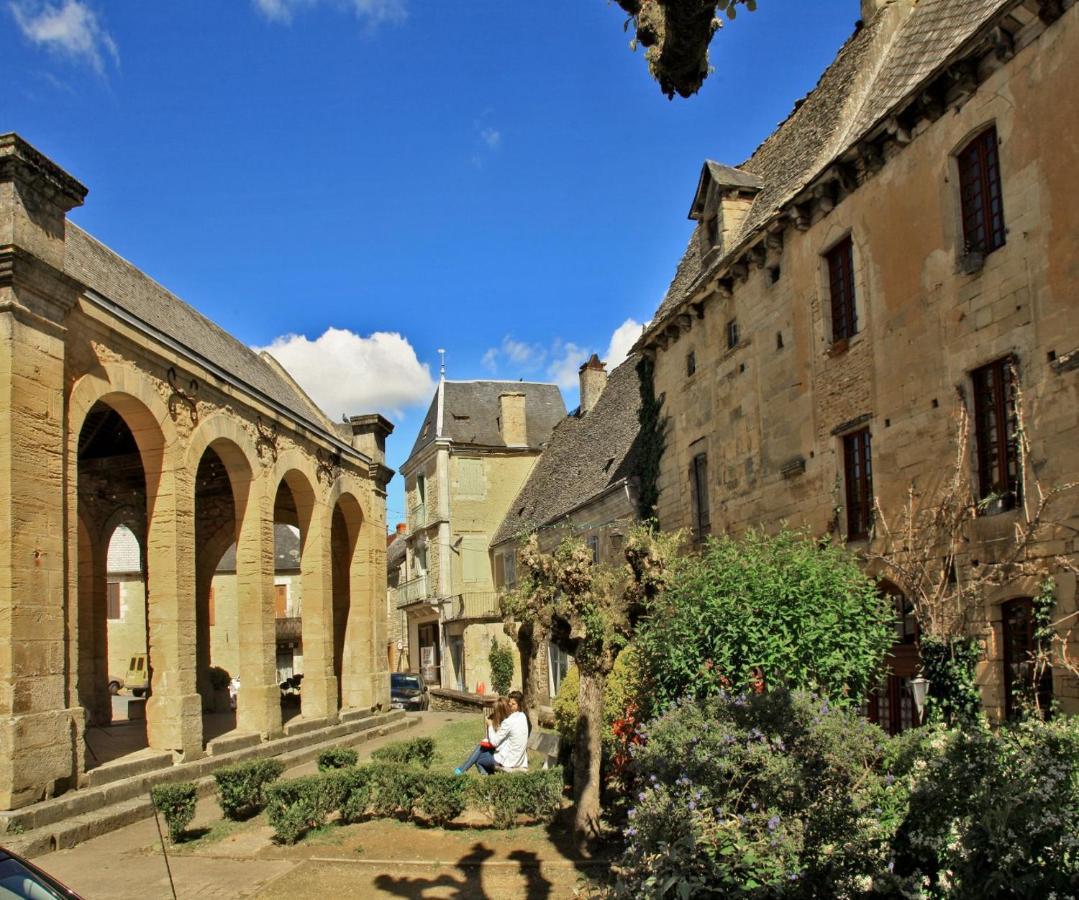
[318, 698]
[372, 585]
[40, 735]
[258, 707]
[174, 710]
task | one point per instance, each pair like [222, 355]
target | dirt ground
[381, 858]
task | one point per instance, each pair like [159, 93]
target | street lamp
[919, 688]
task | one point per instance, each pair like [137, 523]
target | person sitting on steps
[499, 712]
[510, 743]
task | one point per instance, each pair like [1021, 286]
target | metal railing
[473, 605]
[412, 590]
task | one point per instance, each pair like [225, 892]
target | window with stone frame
[702, 522]
[858, 479]
[732, 334]
[980, 194]
[840, 262]
[593, 547]
[996, 436]
[691, 363]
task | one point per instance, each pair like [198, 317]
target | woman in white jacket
[510, 744]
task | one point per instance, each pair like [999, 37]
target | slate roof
[471, 411]
[114, 278]
[873, 73]
[286, 544]
[586, 455]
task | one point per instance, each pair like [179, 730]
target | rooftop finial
[442, 364]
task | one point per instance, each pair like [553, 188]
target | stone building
[900, 243]
[123, 406]
[583, 486]
[396, 619]
[476, 446]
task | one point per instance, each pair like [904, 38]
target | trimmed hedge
[381, 790]
[299, 804]
[241, 788]
[337, 758]
[176, 802]
[416, 752]
[505, 797]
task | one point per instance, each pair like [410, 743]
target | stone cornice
[42, 289]
[21, 163]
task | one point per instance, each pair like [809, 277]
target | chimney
[513, 423]
[402, 528]
[593, 381]
[369, 433]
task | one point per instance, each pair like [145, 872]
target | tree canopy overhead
[676, 34]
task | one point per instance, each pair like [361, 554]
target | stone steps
[77, 816]
[137, 764]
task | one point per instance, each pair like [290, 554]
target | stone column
[174, 710]
[258, 707]
[318, 696]
[40, 736]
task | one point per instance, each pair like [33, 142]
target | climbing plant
[651, 441]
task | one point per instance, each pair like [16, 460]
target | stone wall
[770, 412]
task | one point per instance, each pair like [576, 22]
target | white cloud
[565, 367]
[69, 28]
[524, 356]
[347, 374]
[372, 12]
[623, 339]
[492, 137]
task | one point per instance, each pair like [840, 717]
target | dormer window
[724, 196]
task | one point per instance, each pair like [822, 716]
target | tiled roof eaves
[765, 220]
[193, 355]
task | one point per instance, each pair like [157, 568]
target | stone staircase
[117, 794]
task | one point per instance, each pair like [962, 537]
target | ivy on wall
[652, 440]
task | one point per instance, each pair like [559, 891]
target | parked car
[116, 684]
[21, 878]
[138, 674]
[408, 690]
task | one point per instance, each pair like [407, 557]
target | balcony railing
[288, 628]
[411, 591]
[474, 605]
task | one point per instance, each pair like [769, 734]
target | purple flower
[631, 831]
[640, 796]
[773, 823]
[692, 805]
[632, 813]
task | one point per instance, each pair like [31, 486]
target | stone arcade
[119, 404]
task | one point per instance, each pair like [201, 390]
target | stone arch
[221, 492]
[352, 600]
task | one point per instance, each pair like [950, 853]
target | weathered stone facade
[476, 447]
[872, 154]
[119, 403]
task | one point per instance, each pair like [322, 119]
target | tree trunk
[586, 767]
[531, 640]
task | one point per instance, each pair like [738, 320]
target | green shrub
[241, 788]
[506, 796]
[296, 805]
[337, 758]
[176, 802]
[355, 787]
[395, 789]
[777, 795]
[442, 798]
[766, 611]
[418, 751]
[619, 691]
[501, 661]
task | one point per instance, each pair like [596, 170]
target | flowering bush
[992, 814]
[772, 794]
[619, 693]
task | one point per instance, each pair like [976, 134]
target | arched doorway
[891, 703]
[295, 633]
[352, 635]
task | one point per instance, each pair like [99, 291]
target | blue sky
[356, 183]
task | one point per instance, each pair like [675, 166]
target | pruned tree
[676, 35]
[590, 612]
[925, 550]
